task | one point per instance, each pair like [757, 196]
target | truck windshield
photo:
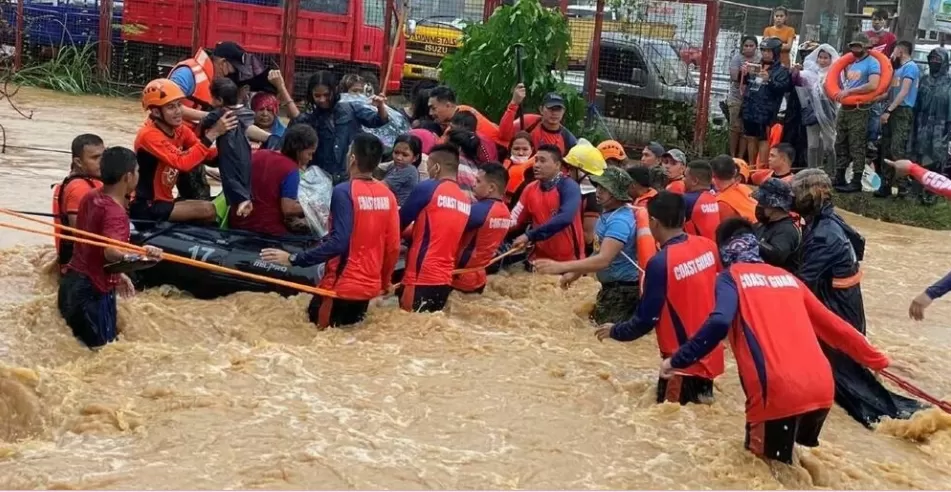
[671, 69]
[443, 11]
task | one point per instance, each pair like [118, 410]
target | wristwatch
[292, 258]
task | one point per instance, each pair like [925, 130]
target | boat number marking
[205, 252]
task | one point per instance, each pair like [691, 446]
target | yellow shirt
[786, 34]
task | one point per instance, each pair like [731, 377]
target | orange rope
[105, 242]
[487, 265]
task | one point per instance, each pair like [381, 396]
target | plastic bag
[823, 109]
[314, 193]
[397, 125]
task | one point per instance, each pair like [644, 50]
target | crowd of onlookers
[851, 134]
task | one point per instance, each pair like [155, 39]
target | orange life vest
[739, 200]
[204, 71]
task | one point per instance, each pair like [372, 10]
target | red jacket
[488, 224]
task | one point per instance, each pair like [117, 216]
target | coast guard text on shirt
[694, 266]
[748, 280]
[443, 201]
[373, 203]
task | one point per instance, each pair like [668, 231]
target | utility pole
[909, 14]
[824, 21]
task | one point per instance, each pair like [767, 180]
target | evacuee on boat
[275, 179]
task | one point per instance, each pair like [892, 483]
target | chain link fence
[651, 70]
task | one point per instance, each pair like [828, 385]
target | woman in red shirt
[275, 179]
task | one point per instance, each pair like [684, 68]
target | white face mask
[519, 159]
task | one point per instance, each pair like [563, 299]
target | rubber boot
[854, 186]
[839, 178]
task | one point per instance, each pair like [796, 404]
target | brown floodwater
[509, 390]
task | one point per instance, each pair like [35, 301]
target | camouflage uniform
[616, 303]
[895, 135]
[851, 142]
[851, 126]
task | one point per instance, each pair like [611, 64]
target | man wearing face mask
[779, 237]
[932, 125]
[851, 141]
[898, 116]
[831, 252]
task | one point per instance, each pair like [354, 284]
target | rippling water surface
[506, 390]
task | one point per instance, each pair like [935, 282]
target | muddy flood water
[508, 390]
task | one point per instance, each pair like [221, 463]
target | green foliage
[483, 70]
[905, 211]
[72, 69]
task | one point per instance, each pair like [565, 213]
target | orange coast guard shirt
[363, 245]
[553, 210]
[162, 157]
[774, 324]
[703, 214]
[439, 210]
[678, 297]
[488, 224]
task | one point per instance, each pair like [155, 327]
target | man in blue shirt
[898, 117]
[614, 259]
[851, 140]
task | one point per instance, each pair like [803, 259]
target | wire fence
[651, 70]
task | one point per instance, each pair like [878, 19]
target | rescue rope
[916, 391]
[105, 242]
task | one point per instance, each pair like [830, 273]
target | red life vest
[203, 70]
[779, 359]
[365, 269]
[704, 217]
[692, 266]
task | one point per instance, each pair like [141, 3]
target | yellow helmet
[586, 157]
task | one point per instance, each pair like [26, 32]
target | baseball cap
[615, 181]
[553, 100]
[236, 56]
[677, 155]
[656, 149]
[774, 193]
[860, 38]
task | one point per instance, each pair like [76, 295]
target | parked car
[641, 80]
[689, 53]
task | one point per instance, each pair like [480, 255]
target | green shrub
[483, 70]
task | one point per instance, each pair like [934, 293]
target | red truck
[337, 35]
